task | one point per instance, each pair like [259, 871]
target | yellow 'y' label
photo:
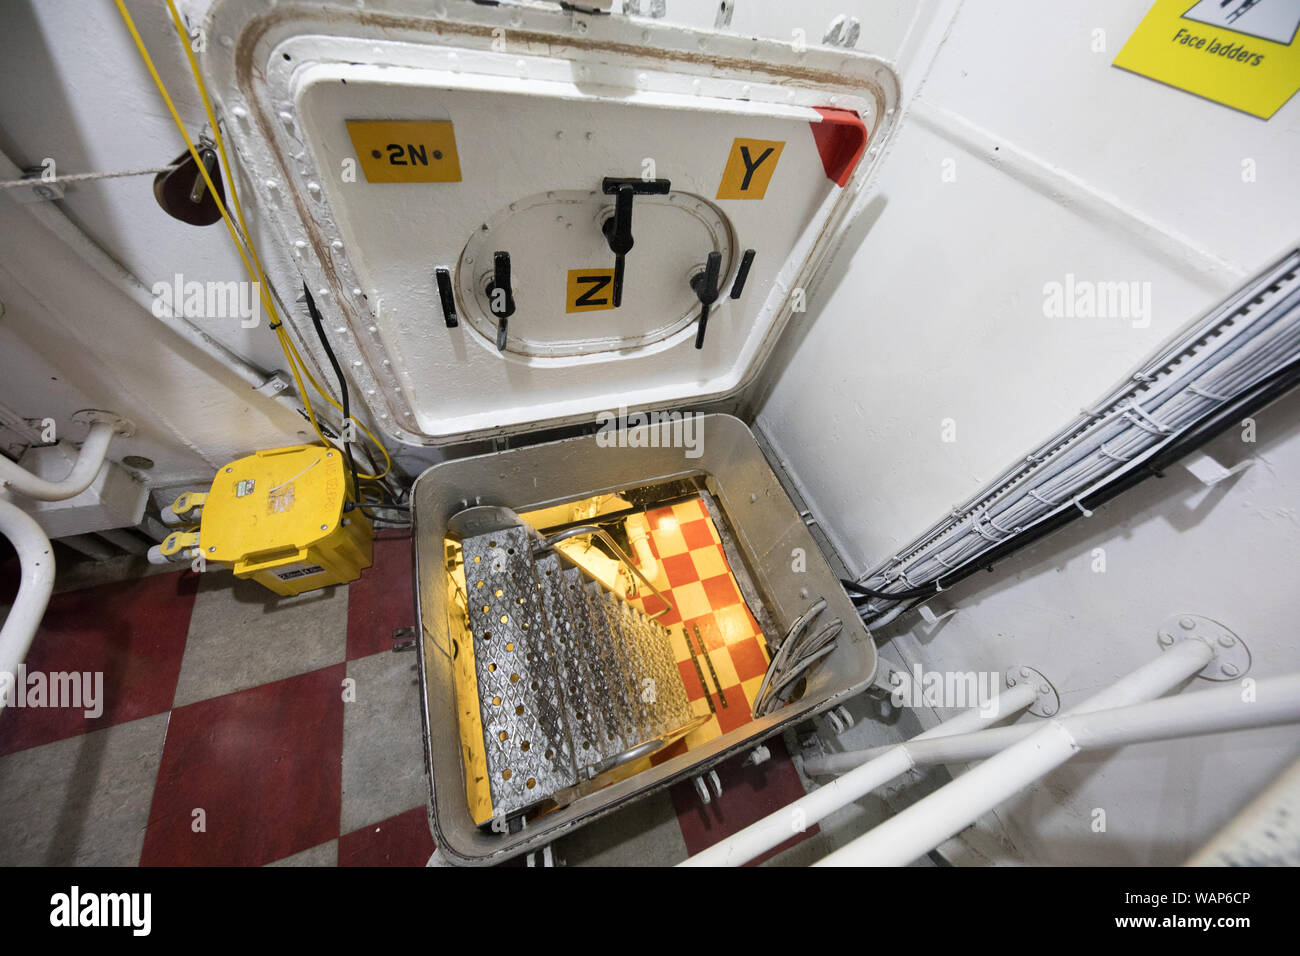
[749, 168]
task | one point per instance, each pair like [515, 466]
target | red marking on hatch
[841, 138]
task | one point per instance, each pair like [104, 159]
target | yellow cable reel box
[277, 517]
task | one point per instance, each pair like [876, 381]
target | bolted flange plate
[1231, 655]
[89, 416]
[1048, 702]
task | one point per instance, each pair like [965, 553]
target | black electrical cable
[343, 390]
[1264, 392]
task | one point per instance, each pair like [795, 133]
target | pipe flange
[92, 416]
[1231, 655]
[1048, 701]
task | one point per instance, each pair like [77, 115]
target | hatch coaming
[763, 538]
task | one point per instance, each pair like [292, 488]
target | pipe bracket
[92, 416]
[1231, 659]
[1047, 703]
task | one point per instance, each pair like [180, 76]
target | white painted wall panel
[75, 91]
[1064, 165]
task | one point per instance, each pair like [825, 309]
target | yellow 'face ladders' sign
[749, 168]
[1242, 53]
[406, 151]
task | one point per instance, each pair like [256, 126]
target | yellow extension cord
[241, 235]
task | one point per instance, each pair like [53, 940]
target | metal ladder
[573, 681]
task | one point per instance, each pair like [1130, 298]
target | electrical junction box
[391, 141]
[277, 517]
[517, 217]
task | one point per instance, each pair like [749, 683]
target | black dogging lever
[742, 273]
[705, 285]
[501, 300]
[446, 296]
[618, 227]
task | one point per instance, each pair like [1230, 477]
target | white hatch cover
[514, 150]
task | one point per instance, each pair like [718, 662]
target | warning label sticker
[749, 169]
[406, 151]
[1242, 53]
[588, 290]
[292, 572]
[279, 499]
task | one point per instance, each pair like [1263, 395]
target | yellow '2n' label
[749, 168]
[406, 151]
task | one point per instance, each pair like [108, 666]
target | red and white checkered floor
[239, 728]
[707, 604]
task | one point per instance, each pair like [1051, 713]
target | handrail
[552, 541]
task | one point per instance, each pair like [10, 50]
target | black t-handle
[705, 285]
[618, 227]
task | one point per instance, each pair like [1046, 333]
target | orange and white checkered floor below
[706, 602]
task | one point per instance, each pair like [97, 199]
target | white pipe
[779, 826]
[1166, 670]
[930, 821]
[964, 748]
[1271, 701]
[36, 559]
[639, 538]
[957, 748]
[1152, 679]
[89, 460]
[1157, 676]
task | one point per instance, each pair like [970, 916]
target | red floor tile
[738, 711]
[710, 633]
[747, 657]
[382, 600]
[264, 764]
[722, 593]
[748, 795]
[403, 840]
[133, 633]
[697, 534]
[691, 678]
[680, 569]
